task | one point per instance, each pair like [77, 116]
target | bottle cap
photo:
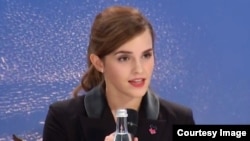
[121, 113]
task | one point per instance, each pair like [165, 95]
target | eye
[147, 55]
[123, 58]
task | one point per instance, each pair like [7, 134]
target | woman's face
[128, 70]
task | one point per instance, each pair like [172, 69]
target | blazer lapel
[99, 119]
[150, 126]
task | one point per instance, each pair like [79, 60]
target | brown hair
[112, 27]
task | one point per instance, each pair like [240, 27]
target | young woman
[120, 66]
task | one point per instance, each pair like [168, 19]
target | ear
[97, 62]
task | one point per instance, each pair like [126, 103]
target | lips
[138, 82]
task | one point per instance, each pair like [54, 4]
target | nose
[138, 66]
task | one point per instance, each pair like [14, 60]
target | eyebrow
[129, 52]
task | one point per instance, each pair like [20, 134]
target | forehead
[139, 43]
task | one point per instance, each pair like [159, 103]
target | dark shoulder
[69, 106]
[62, 120]
[174, 107]
[177, 112]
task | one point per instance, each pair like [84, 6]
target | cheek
[149, 66]
[116, 72]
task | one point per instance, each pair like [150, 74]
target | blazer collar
[95, 103]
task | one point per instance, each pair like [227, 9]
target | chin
[138, 93]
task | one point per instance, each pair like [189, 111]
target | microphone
[132, 121]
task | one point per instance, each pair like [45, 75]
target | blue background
[202, 52]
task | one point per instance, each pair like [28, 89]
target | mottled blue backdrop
[202, 52]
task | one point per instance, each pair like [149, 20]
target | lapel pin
[152, 129]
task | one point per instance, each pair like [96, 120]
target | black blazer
[89, 118]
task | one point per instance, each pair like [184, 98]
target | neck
[117, 101]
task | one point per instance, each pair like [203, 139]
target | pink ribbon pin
[152, 130]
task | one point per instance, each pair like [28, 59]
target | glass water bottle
[121, 133]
